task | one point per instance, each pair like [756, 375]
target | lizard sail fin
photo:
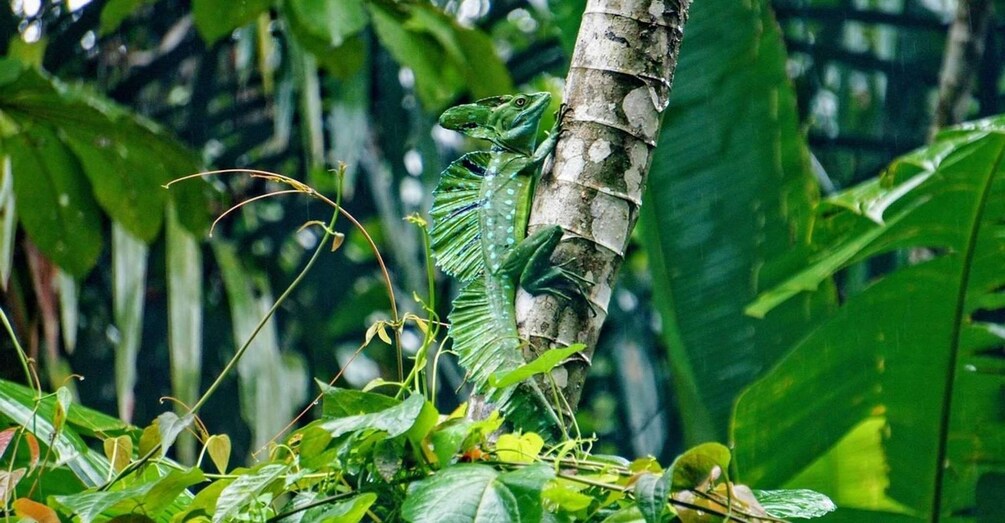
[456, 233]
[482, 347]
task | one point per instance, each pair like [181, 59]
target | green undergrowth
[366, 456]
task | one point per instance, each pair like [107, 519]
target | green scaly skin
[480, 214]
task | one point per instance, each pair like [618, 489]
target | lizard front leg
[530, 263]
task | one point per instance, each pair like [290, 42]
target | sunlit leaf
[18, 404]
[129, 271]
[169, 425]
[148, 497]
[478, 493]
[246, 488]
[119, 451]
[218, 448]
[395, 421]
[800, 503]
[522, 448]
[918, 349]
[184, 275]
[542, 364]
[8, 482]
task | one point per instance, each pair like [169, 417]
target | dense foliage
[850, 344]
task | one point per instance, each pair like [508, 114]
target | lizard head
[507, 121]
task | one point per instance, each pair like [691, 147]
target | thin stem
[21, 356]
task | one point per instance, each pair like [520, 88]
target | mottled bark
[617, 89]
[964, 50]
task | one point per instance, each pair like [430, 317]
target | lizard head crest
[508, 121]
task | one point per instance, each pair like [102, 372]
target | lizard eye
[520, 102]
[469, 125]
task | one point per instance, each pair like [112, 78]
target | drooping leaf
[730, 186]
[119, 451]
[272, 384]
[68, 310]
[125, 182]
[8, 483]
[129, 272]
[184, 275]
[215, 19]
[117, 11]
[471, 492]
[697, 464]
[331, 21]
[918, 349]
[126, 160]
[443, 56]
[8, 219]
[218, 448]
[169, 426]
[54, 200]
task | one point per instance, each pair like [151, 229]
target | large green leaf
[918, 353]
[445, 57]
[54, 199]
[125, 158]
[729, 187]
[148, 498]
[331, 21]
[464, 493]
[215, 19]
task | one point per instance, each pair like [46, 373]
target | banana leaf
[730, 186]
[912, 366]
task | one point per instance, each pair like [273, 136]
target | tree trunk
[964, 50]
[617, 89]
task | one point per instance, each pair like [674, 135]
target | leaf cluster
[368, 456]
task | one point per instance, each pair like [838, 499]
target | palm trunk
[617, 89]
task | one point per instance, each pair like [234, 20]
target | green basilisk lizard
[480, 212]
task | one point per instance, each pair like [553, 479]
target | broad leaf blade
[919, 349]
[54, 200]
[729, 188]
[478, 493]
